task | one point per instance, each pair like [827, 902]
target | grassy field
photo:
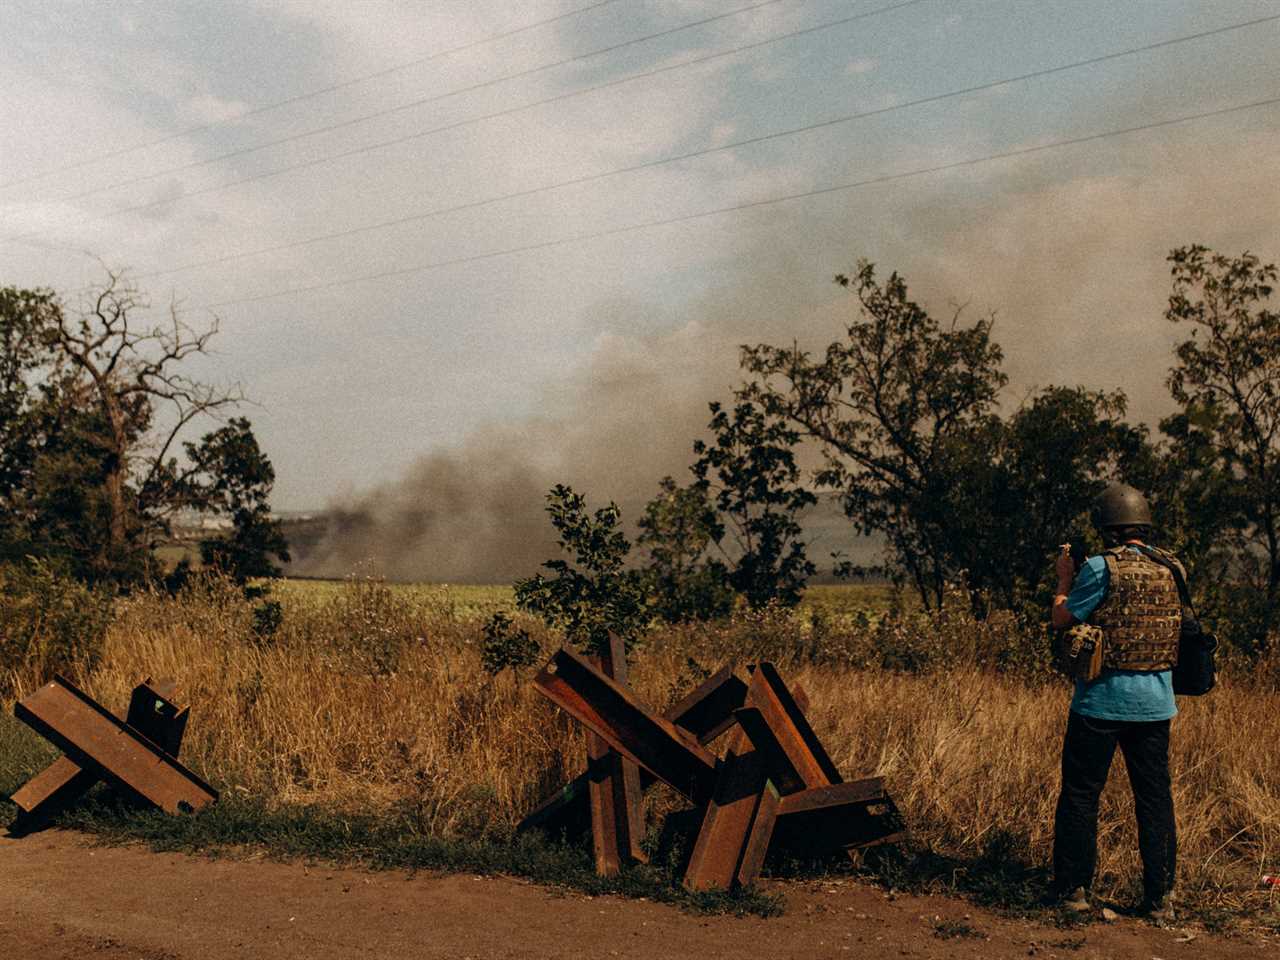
[369, 717]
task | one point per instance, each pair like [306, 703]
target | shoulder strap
[1113, 577]
[1160, 557]
[1113, 574]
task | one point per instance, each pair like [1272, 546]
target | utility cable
[649, 164]
[473, 120]
[750, 205]
[412, 104]
[299, 98]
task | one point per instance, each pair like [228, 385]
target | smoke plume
[1073, 268]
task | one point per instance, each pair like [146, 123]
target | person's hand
[1064, 566]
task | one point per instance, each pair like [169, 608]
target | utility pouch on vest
[1078, 652]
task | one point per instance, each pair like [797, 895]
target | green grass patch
[462, 602]
[480, 601]
[23, 753]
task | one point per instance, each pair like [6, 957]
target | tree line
[905, 413]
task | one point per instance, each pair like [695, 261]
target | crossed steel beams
[138, 754]
[775, 773]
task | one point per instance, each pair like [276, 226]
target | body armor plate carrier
[1140, 616]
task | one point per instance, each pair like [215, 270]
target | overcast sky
[592, 360]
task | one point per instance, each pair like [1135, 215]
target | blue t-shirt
[1116, 694]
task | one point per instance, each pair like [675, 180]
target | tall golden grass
[370, 698]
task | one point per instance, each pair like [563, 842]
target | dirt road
[61, 898]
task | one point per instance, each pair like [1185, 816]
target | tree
[26, 359]
[93, 404]
[749, 471]
[677, 530]
[594, 595]
[1197, 503]
[1030, 485]
[233, 477]
[896, 407]
[1227, 381]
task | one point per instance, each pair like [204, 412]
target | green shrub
[49, 623]
[504, 647]
[593, 596]
[373, 625]
[267, 618]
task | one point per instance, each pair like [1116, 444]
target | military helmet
[1120, 505]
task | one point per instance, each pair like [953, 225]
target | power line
[807, 128]
[750, 205]
[413, 104]
[306, 96]
[648, 74]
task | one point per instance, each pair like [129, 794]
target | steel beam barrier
[152, 712]
[94, 739]
[737, 824]
[705, 713]
[614, 795]
[608, 709]
[849, 815]
[779, 698]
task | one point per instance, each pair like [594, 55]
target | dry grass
[371, 699]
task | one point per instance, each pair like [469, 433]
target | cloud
[208, 108]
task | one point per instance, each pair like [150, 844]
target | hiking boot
[1159, 910]
[1076, 901]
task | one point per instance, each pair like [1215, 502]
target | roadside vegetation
[367, 728]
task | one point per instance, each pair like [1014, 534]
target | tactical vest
[1141, 615]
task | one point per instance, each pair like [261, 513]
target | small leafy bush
[267, 618]
[49, 622]
[593, 595]
[505, 647]
[372, 625]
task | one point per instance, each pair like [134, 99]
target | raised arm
[1065, 568]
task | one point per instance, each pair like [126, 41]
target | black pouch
[1196, 671]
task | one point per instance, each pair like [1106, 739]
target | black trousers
[1087, 752]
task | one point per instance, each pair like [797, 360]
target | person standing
[1133, 599]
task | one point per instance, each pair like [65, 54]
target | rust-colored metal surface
[96, 740]
[608, 709]
[155, 713]
[773, 738]
[780, 698]
[727, 820]
[849, 815]
[758, 840]
[613, 791]
[793, 756]
[738, 822]
[776, 784]
[53, 788]
[706, 713]
[609, 836]
[836, 795]
[152, 711]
